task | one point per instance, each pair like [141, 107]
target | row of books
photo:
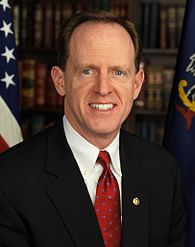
[37, 87]
[161, 24]
[156, 90]
[37, 23]
[152, 130]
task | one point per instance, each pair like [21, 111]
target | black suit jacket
[44, 201]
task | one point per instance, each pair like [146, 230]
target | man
[48, 183]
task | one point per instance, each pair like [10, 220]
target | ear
[58, 80]
[139, 79]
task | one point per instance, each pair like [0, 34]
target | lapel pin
[136, 201]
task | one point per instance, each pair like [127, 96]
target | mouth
[102, 107]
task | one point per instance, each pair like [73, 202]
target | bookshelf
[160, 26]
[36, 26]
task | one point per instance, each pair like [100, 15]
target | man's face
[100, 81]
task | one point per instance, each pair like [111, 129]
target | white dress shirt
[86, 155]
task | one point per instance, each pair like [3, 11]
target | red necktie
[107, 203]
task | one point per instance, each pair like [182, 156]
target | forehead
[104, 35]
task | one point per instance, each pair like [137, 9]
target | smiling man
[99, 81]
[84, 181]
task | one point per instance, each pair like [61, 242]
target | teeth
[102, 107]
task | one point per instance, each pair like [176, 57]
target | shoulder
[155, 157]
[27, 155]
[146, 147]
[26, 148]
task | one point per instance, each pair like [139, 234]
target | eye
[87, 72]
[118, 72]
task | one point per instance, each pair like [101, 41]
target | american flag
[10, 132]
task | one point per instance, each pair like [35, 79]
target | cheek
[126, 92]
[77, 95]
[127, 98]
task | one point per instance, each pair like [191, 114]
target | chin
[103, 126]
[106, 131]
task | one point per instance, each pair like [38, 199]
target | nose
[103, 85]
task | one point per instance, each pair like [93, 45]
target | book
[152, 130]
[154, 89]
[145, 23]
[154, 21]
[23, 24]
[48, 25]
[163, 26]
[40, 84]
[160, 125]
[30, 22]
[171, 26]
[66, 11]
[150, 88]
[158, 89]
[180, 17]
[38, 24]
[57, 20]
[28, 82]
[168, 75]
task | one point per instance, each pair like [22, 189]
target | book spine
[48, 25]
[30, 22]
[150, 89]
[180, 17]
[66, 11]
[145, 24]
[168, 75]
[57, 20]
[40, 84]
[23, 25]
[158, 91]
[154, 21]
[171, 27]
[28, 82]
[163, 26]
[38, 24]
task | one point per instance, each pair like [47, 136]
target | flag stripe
[3, 145]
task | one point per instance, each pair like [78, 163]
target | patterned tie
[107, 203]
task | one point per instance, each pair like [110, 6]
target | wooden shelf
[164, 52]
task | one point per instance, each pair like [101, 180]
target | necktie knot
[104, 159]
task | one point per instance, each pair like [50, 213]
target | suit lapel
[69, 194]
[135, 194]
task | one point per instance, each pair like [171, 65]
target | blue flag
[179, 136]
[10, 132]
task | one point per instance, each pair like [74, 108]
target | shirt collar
[86, 153]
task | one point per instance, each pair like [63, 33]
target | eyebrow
[93, 66]
[85, 65]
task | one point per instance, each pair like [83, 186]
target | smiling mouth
[102, 107]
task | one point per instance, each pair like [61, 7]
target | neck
[100, 141]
